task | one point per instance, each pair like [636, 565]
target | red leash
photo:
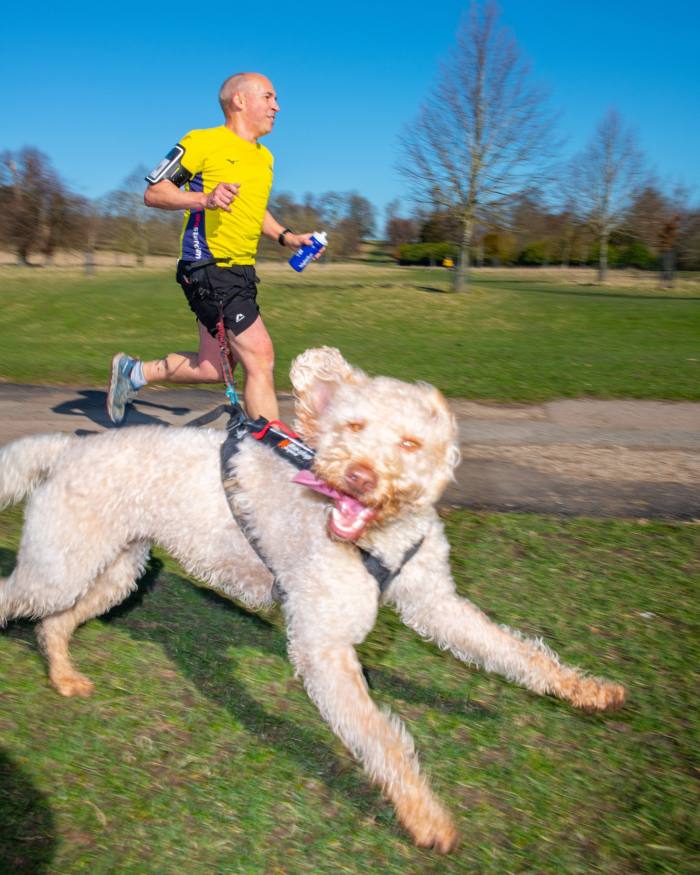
[227, 362]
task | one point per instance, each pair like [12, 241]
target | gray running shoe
[120, 391]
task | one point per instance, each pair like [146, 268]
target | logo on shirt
[231, 160]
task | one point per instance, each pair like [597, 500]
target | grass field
[200, 753]
[514, 337]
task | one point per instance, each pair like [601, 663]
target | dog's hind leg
[108, 589]
[333, 679]
[425, 596]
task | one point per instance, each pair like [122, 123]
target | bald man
[222, 178]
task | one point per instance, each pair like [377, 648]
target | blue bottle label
[305, 254]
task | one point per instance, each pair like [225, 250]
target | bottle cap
[321, 237]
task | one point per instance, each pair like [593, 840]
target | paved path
[600, 458]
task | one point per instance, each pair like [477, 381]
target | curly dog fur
[97, 504]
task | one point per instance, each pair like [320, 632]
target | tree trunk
[90, 247]
[668, 267]
[603, 258]
[89, 262]
[462, 272]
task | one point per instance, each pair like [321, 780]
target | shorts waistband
[213, 262]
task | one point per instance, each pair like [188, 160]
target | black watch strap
[280, 239]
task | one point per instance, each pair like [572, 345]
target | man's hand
[221, 197]
[294, 241]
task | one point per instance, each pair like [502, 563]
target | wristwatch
[280, 239]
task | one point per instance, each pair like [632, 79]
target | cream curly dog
[384, 448]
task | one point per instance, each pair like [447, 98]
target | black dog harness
[292, 449]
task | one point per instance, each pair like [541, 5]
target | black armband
[170, 168]
[280, 239]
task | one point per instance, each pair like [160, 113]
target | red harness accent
[259, 435]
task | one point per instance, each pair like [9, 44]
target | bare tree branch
[482, 134]
[606, 176]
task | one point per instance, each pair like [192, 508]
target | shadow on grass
[27, 831]
[184, 625]
[584, 290]
[186, 639]
[7, 561]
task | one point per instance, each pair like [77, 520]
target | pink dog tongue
[308, 478]
[349, 517]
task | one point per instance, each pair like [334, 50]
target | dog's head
[389, 446]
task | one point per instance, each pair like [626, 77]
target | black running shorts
[209, 289]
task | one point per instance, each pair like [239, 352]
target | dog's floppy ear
[316, 375]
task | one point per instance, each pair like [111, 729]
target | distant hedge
[427, 253]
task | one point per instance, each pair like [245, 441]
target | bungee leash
[226, 356]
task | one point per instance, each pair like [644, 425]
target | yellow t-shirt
[215, 155]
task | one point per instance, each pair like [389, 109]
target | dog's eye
[355, 426]
[410, 445]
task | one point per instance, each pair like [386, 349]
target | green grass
[511, 338]
[200, 753]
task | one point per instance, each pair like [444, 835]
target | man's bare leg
[188, 367]
[253, 349]
[203, 366]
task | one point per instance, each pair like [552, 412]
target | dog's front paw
[443, 840]
[591, 694]
[73, 684]
[429, 824]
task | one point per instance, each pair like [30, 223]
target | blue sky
[103, 89]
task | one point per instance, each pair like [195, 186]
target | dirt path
[602, 458]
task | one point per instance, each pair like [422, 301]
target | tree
[130, 215]
[483, 135]
[346, 216]
[399, 230]
[689, 242]
[606, 177]
[349, 216]
[658, 220]
[38, 212]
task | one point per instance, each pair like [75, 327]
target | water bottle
[304, 254]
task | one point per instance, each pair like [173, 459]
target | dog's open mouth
[349, 517]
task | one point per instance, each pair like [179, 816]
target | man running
[227, 178]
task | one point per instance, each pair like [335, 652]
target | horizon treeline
[485, 183]
[40, 215]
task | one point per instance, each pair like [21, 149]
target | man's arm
[271, 228]
[165, 195]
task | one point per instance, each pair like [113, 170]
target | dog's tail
[25, 462]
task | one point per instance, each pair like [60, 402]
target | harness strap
[209, 416]
[381, 572]
[237, 429]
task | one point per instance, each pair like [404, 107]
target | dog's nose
[360, 479]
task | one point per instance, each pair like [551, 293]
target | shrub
[426, 253]
[638, 255]
[534, 255]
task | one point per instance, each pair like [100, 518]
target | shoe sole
[114, 375]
